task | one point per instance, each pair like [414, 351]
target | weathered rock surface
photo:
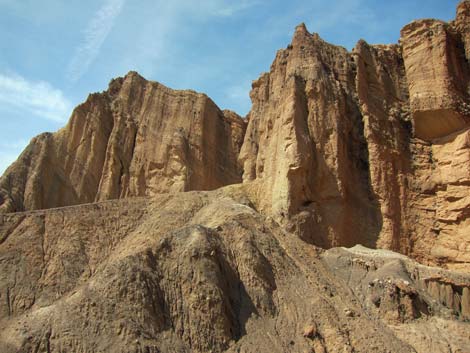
[364, 147]
[137, 138]
[370, 146]
[438, 75]
[340, 148]
[305, 142]
[204, 271]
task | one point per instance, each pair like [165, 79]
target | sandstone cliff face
[364, 147]
[205, 272]
[340, 148]
[438, 76]
[305, 143]
[368, 147]
[137, 138]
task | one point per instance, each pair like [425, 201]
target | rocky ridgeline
[213, 240]
[365, 147]
[138, 138]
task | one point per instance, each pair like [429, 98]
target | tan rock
[365, 147]
[137, 138]
[368, 147]
[438, 77]
[199, 272]
[310, 331]
[305, 144]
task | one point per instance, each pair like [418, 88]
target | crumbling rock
[109, 243]
[137, 138]
[201, 272]
[370, 146]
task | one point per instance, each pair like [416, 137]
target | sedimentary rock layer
[370, 146]
[340, 148]
[137, 138]
[364, 147]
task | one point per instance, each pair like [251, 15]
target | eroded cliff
[340, 148]
[370, 146]
[137, 138]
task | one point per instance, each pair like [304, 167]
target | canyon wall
[137, 138]
[120, 233]
[370, 146]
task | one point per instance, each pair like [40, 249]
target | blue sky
[55, 52]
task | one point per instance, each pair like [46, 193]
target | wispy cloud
[94, 36]
[37, 98]
[227, 10]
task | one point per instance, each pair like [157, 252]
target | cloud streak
[228, 10]
[36, 98]
[95, 34]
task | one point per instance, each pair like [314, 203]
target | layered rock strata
[137, 138]
[341, 148]
[370, 146]
[364, 147]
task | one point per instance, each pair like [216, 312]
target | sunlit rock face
[154, 222]
[438, 77]
[137, 138]
[369, 146]
[363, 147]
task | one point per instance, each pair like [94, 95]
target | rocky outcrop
[137, 138]
[405, 295]
[370, 146]
[328, 137]
[204, 271]
[364, 147]
[340, 148]
[305, 144]
[438, 75]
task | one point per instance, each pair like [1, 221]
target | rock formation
[123, 232]
[370, 146]
[438, 76]
[137, 138]
[205, 272]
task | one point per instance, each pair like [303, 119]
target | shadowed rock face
[370, 146]
[137, 138]
[340, 148]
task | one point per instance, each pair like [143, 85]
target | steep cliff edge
[340, 148]
[137, 138]
[370, 146]
[364, 147]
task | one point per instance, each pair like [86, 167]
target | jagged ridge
[369, 147]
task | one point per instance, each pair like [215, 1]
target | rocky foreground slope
[206, 272]
[108, 242]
